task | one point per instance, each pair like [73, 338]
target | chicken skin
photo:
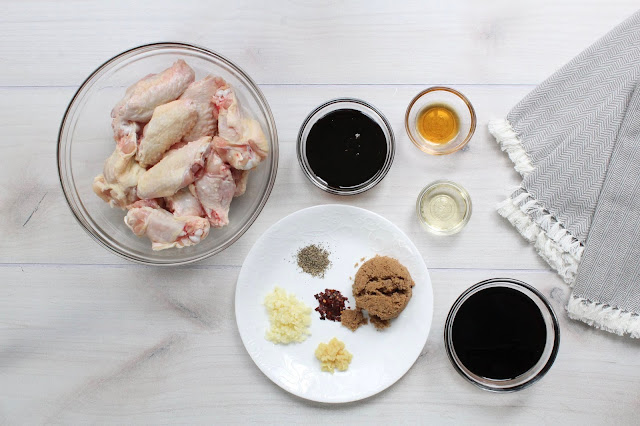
[166, 230]
[215, 190]
[117, 183]
[184, 203]
[240, 177]
[184, 149]
[142, 98]
[126, 134]
[177, 169]
[152, 91]
[169, 123]
[201, 93]
[241, 141]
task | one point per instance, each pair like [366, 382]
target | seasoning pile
[331, 304]
[289, 317]
[382, 288]
[353, 318]
[314, 260]
[333, 355]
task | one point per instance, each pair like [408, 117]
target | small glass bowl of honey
[440, 120]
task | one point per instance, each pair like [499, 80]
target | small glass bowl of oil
[443, 207]
[440, 120]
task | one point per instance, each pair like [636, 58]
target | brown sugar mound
[382, 287]
[352, 318]
[380, 324]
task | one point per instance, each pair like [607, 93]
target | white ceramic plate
[380, 358]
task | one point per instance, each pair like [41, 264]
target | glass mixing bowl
[85, 140]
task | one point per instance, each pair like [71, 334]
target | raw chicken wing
[242, 142]
[169, 123]
[215, 190]
[166, 230]
[201, 92]
[184, 150]
[240, 177]
[117, 183]
[142, 98]
[184, 203]
[241, 157]
[154, 90]
[155, 203]
[177, 169]
[125, 134]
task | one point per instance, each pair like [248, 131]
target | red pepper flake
[331, 304]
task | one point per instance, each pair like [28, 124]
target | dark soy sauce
[346, 148]
[499, 333]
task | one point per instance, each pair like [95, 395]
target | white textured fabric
[509, 143]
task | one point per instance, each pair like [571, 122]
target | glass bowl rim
[391, 148]
[61, 161]
[478, 287]
[472, 126]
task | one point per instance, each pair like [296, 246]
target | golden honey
[438, 124]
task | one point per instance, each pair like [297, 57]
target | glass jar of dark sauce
[345, 146]
[502, 335]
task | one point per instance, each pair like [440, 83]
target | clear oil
[444, 208]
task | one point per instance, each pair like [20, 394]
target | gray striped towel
[575, 140]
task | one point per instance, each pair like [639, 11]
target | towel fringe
[561, 250]
[509, 143]
[604, 317]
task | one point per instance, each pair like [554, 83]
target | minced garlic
[333, 355]
[289, 317]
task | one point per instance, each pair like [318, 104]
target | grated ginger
[290, 318]
[333, 355]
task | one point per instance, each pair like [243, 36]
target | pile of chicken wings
[184, 149]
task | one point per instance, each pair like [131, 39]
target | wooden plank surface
[86, 337]
[413, 41]
[482, 168]
[138, 344]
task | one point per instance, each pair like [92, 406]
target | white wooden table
[88, 337]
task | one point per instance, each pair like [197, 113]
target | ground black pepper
[314, 260]
[331, 304]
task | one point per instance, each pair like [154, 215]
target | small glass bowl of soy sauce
[345, 146]
[502, 335]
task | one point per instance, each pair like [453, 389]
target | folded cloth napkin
[575, 140]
